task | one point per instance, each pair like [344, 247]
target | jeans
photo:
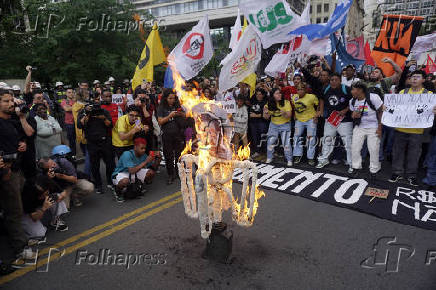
[410, 143]
[284, 130]
[373, 141]
[430, 178]
[87, 169]
[345, 130]
[71, 135]
[311, 137]
[387, 141]
[257, 129]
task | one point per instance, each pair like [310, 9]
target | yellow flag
[152, 54]
[251, 79]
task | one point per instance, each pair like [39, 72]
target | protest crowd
[309, 114]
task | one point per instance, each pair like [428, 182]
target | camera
[53, 196]
[23, 108]
[93, 110]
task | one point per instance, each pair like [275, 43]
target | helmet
[111, 79]
[16, 88]
[96, 82]
[59, 84]
[60, 150]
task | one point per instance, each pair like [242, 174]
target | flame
[187, 149]
[244, 152]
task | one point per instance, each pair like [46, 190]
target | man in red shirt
[112, 108]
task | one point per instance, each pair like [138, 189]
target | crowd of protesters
[309, 113]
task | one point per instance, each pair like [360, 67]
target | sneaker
[412, 181]
[77, 202]
[119, 198]
[98, 190]
[297, 159]
[395, 178]
[355, 174]
[321, 164]
[36, 241]
[311, 162]
[335, 161]
[268, 161]
[110, 186]
[255, 155]
[59, 225]
[289, 164]
[350, 170]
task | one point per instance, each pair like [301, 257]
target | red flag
[355, 47]
[368, 58]
[430, 66]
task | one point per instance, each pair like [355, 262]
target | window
[310, 9]
[326, 19]
[318, 20]
[318, 8]
[326, 7]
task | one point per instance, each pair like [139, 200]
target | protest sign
[409, 110]
[228, 105]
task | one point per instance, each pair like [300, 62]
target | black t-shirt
[336, 100]
[172, 127]
[257, 108]
[95, 130]
[11, 132]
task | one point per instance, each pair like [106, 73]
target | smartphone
[138, 122]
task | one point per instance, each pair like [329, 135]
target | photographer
[125, 129]
[133, 162]
[146, 103]
[96, 123]
[366, 111]
[12, 146]
[63, 173]
[43, 204]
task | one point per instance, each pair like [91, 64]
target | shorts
[122, 175]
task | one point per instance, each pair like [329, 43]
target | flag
[152, 54]
[243, 62]
[342, 57]
[368, 58]
[318, 46]
[194, 51]
[395, 40]
[424, 44]
[288, 53]
[236, 33]
[336, 21]
[251, 79]
[355, 47]
[168, 79]
[430, 66]
[273, 20]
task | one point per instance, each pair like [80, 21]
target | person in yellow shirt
[408, 140]
[306, 119]
[279, 111]
[125, 129]
[82, 95]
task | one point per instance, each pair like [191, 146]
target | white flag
[423, 44]
[236, 33]
[273, 20]
[194, 51]
[243, 61]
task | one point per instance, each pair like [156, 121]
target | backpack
[344, 89]
[368, 101]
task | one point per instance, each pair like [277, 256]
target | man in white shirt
[350, 76]
[366, 114]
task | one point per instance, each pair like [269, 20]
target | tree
[71, 41]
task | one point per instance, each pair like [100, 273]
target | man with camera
[145, 101]
[367, 110]
[64, 174]
[133, 164]
[12, 146]
[96, 122]
[43, 203]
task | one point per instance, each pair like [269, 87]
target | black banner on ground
[393, 201]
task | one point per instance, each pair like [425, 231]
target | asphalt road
[295, 243]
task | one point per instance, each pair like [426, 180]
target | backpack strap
[344, 89]
[326, 89]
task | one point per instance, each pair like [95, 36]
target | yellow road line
[109, 223]
[88, 241]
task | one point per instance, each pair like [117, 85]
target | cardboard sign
[118, 99]
[229, 106]
[376, 192]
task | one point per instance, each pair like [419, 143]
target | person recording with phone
[147, 107]
[96, 122]
[125, 130]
